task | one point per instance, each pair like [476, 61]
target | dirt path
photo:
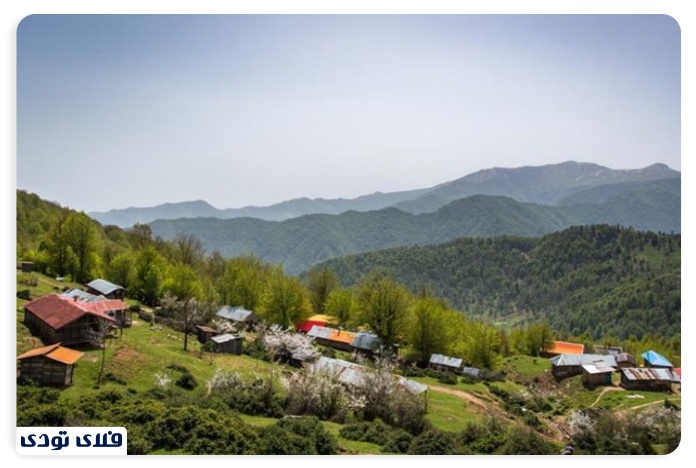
[605, 390]
[555, 427]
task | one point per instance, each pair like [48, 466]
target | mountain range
[301, 242]
[555, 185]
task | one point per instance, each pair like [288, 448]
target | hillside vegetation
[597, 279]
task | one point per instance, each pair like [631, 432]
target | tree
[285, 302]
[481, 345]
[61, 256]
[183, 282]
[81, 236]
[188, 249]
[121, 269]
[187, 313]
[383, 304]
[98, 335]
[429, 332]
[321, 282]
[148, 276]
[340, 305]
[539, 338]
[243, 282]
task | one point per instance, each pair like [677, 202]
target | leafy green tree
[539, 338]
[383, 304]
[121, 269]
[148, 276]
[429, 332]
[188, 249]
[285, 301]
[81, 235]
[243, 282]
[320, 283]
[182, 282]
[61, 257]
[481, 346]
[340, 305]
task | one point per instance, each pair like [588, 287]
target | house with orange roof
[50, 365]
[58, 319]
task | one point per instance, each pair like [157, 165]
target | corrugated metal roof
[320, 332]
[598, 368]
[225, 338]
[613, 350]
[205, 329]
[656, 359]
[236, 314]
[442, 360]
[472, 371]
[342, 336]
[580, 359]
[366, 341]
[354, 374]
[58, 311]
[103, 286]
[83, 296]
[625, 357]
[650, 373]
[55, 352]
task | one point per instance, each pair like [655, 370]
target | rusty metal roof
[650, 373]
[58, 311]
[205, 329]
[55, 352]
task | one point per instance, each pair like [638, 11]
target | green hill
[597, 279]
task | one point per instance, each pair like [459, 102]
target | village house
[332, 338]
[643, 378]
[205, 333]
[106, 289]
[597, 373]
[50, 365]
[613, 350]
[567, 365]
[58, 319]
[239, 316]
[656, 360]
[366, 343]
[625, 360]
[442, 363]
[228, 344]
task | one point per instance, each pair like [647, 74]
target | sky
[137, 110]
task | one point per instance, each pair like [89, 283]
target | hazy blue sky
[117, 111]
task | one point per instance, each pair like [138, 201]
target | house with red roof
[58, 319]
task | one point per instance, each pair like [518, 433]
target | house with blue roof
[653, 359]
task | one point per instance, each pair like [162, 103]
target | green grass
[525, 368]
[450, 413]
[350, 446]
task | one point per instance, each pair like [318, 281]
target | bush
[433, 442]
[186, 381]
[526, 442]
[178, 368]
[413, 371]
[24, 294]
[297, 436]
[110, 377]
[398, 442]
[448, 379]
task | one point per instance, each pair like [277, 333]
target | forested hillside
[302, 242]
[598, 279]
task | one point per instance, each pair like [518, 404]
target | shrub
[447, 378]
[110, 377]
[526, 442]
[398, 442]
[24, 294]
[297, 436]
[186, 381]
[433, 442]
[178, 368]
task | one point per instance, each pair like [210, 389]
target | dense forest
[598, 279]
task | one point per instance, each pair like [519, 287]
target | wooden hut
[106, 289]
[205, 333]
[624, 360]
[443, 363]
[596, 374]
[50, 365]
[567, 365]
[227, 343]
[643, 378]
[332, 337]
